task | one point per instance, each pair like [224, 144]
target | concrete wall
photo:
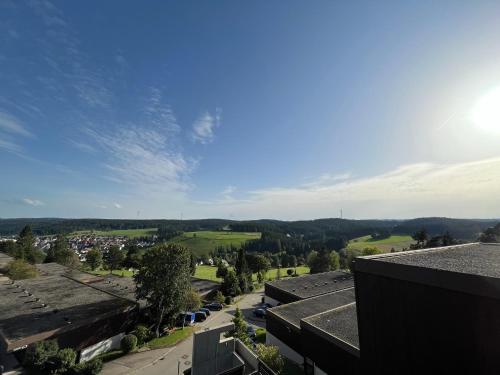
[101, 347]
[247, 355]
[272, 301]
[284, 349]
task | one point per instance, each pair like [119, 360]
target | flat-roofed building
[434, 310]
[302, 287]
[283, 323]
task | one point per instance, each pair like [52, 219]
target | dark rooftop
[314, 285]
[339, 325]
[43, 304]
[295, 311]
[476, 259]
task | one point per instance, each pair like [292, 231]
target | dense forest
[287, 233]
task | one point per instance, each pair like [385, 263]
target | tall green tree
[192, 264]
[163, 280]
[243, 272]
[114, 258]
[421, 237]
[230, 284]
[60, 252]
[25, 245]
[335, 261]
[133, 257]
[94, 258]
[240, 327]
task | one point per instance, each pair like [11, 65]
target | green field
[396, 242]
[208, 273]
[131, 233]
[202, 242]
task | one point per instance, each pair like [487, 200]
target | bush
[228, 300]
[20, 269]
[37, 355]
[63, 361]
[92, 367]
[143, 334]
[271, 356]
[128, 343]
[219, 297]
[289, 272]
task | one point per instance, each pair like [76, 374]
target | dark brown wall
[410, 328]
[285, 332]
[327, 356]
[279, 295]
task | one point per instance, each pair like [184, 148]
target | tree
[63, 361]
[261, 265]
[114, 258]
[37, 355]
[243, 272]
[240, 327]
[371, 251]
[94, 258]
[92, 367]
[335, 260]
[319, 262]
[421, 238]
[271, 356]
[491, 235]
[60, 252]
[221, 270]
[19, 269]
[289, 272]
[26, 245]
[8, 247]
[163, 280]
[219, 297]
[230, 285]
[192, 300]
[128, 343]
[133, 257]
[192, 264]
[142, 333]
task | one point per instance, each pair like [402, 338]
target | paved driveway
[174, 360]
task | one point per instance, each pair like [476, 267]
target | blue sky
[244, 110]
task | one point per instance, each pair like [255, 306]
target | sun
[486, 112]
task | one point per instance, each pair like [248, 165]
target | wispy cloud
[33, 202]
[10, 124]
[145, 154]
[424, 189]
[85, 147]
[10, 146]
[204, 126]
[117, 205]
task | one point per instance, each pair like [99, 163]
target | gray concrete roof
[316, 284]
[49, 303]
[476, 259]
[295, 311]
[339, 324]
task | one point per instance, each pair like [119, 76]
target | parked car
[214, 306]
[251, 332]
[206, 311]
[200, 316]
[259, 313]
[189, 318]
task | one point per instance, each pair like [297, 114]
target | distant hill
[464, 229]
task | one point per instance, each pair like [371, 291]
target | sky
[249, 109]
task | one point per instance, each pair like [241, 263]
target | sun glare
[486, 112]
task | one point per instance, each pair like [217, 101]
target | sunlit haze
[246, 110]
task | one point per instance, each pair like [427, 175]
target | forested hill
[464, 229]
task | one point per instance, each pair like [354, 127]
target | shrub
[92, 367]
[63, 361]
[143, 334]
[128, 343]
[219, 297]
[271, 356]
[228, 300]
[20, 269]
[289, 272]
[37, 355]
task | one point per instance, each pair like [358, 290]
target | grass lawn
[131, 233]
[172, 339]
[202, 242]
[122, 272]
[208, 273]
[111, 355]
[386, 244]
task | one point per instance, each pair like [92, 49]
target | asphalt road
[176, 359]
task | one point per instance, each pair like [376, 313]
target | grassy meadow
[202, 242]
[208, 273]
[385, 245]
